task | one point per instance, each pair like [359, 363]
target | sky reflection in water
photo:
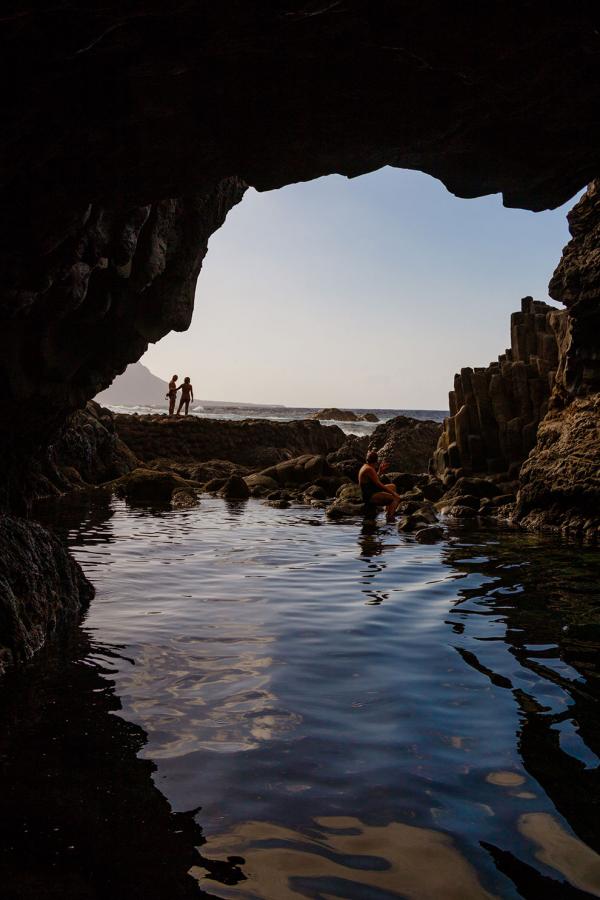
[356, 714]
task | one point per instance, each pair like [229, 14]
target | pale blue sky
[368, 292]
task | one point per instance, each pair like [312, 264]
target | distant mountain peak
[137, 386]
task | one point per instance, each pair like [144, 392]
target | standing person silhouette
[187, 394]
[171, 394]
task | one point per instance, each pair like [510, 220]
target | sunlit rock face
[560, 481]
[495, 411]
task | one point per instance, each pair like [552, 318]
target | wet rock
[429, 535]
[256, 443]
[350, 492]
[235, 488]
[412, 522]
[333, 414]
[426, 513]
[184, 498]
[260, 485]
[42, 589]
[433, 490]
[214, 468]
[315, 492]
[477, 487]
[408, 507]
[214, 485]
[341, 509]
[462, 500]
[148, 487]
[369, 417]
[300, 470]
[278, 504]
[460, 512]
[403, 481]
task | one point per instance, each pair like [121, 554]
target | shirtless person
[171, 394]
[187, 394]
[375, 491]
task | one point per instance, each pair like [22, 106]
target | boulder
[478, 487]
[341, 509]
[300, 470]
[350, 492]
[315, 492]
[235, 488]
[406, 444]
[460, 512]
[369, 417]
[215, 468]
[184, 498]
[333, 414]
[149, 487]
[260, 485]
[429, 535]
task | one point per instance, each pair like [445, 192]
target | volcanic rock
[406, 444]
[149, 487]
[336, 415]
[256, 443]
[235, 488]
[430, 535]
[42, 589]
[560, 481]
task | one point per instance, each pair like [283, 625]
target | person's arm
[378, 483]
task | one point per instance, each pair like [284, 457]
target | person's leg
[172, 405]
[181, 402]
[389, 500]
[187, 407]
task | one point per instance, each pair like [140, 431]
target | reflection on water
[357, 715]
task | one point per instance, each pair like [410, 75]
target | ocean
[238, 411]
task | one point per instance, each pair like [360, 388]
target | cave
[130, 133]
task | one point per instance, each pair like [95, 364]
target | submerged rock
[429, 535]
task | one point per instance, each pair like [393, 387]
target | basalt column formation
[495, 411]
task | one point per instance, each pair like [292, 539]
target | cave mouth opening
[363, 292]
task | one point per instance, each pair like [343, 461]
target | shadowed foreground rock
[42, 589]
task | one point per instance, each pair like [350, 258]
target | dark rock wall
[576, 283]
[122, 279]
[495, 411]
[42, 589]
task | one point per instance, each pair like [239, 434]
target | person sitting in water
[187, 394]
[375, 491]
[171, 394]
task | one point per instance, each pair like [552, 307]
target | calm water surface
[331, 711]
